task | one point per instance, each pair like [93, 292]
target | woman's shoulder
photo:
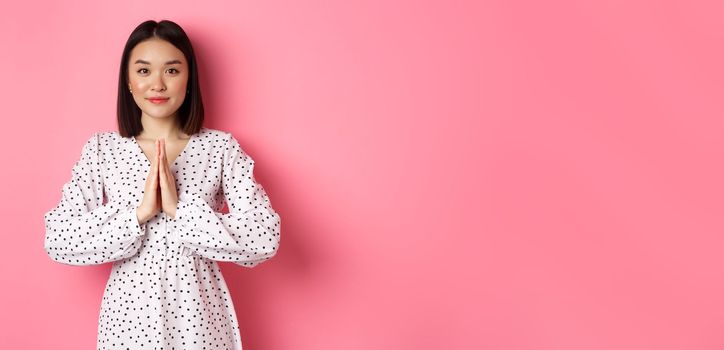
[97, 138]
[213, 133]
[216, 136]
[109, 137]
[223, 140]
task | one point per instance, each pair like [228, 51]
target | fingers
[158, 150]
[163, 156]
[154, 166]
[166, 167]
[162, 161]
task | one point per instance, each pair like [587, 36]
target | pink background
[450, 174]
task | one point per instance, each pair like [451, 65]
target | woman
[148, 199]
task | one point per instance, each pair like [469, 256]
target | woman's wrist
[141, 216]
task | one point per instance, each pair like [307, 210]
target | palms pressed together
[160, 190]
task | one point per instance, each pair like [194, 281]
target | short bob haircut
[191, 112]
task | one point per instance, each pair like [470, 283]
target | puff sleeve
[81, 229]
[249, 234]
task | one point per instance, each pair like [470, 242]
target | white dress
[165, 290]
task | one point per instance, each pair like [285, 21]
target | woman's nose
[157, 84]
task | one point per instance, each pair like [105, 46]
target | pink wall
[451, 174]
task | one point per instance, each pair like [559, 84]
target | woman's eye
[172, 70]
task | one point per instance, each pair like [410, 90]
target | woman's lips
[158, 100]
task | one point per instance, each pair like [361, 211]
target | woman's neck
[155, 128]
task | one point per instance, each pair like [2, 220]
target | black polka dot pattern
[165, 290]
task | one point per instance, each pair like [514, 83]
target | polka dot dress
[165, 290]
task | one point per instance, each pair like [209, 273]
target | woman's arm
[81, 230]
[249, 234]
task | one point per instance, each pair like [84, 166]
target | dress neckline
[145, 157]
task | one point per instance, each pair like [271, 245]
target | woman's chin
[160, 115]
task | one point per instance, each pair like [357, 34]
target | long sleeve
[249, 234]
[81, 229]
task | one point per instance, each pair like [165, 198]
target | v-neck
[144, 156]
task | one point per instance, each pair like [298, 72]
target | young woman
[148, 199]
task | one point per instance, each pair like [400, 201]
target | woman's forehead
[156, 51]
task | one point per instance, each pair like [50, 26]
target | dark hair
[191, 112]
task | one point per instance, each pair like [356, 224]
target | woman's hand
[169, 196]
[151, 203]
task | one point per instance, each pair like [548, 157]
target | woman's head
[158, 61]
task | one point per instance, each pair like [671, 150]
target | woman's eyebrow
[167, 63]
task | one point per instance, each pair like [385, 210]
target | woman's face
[156, 68]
